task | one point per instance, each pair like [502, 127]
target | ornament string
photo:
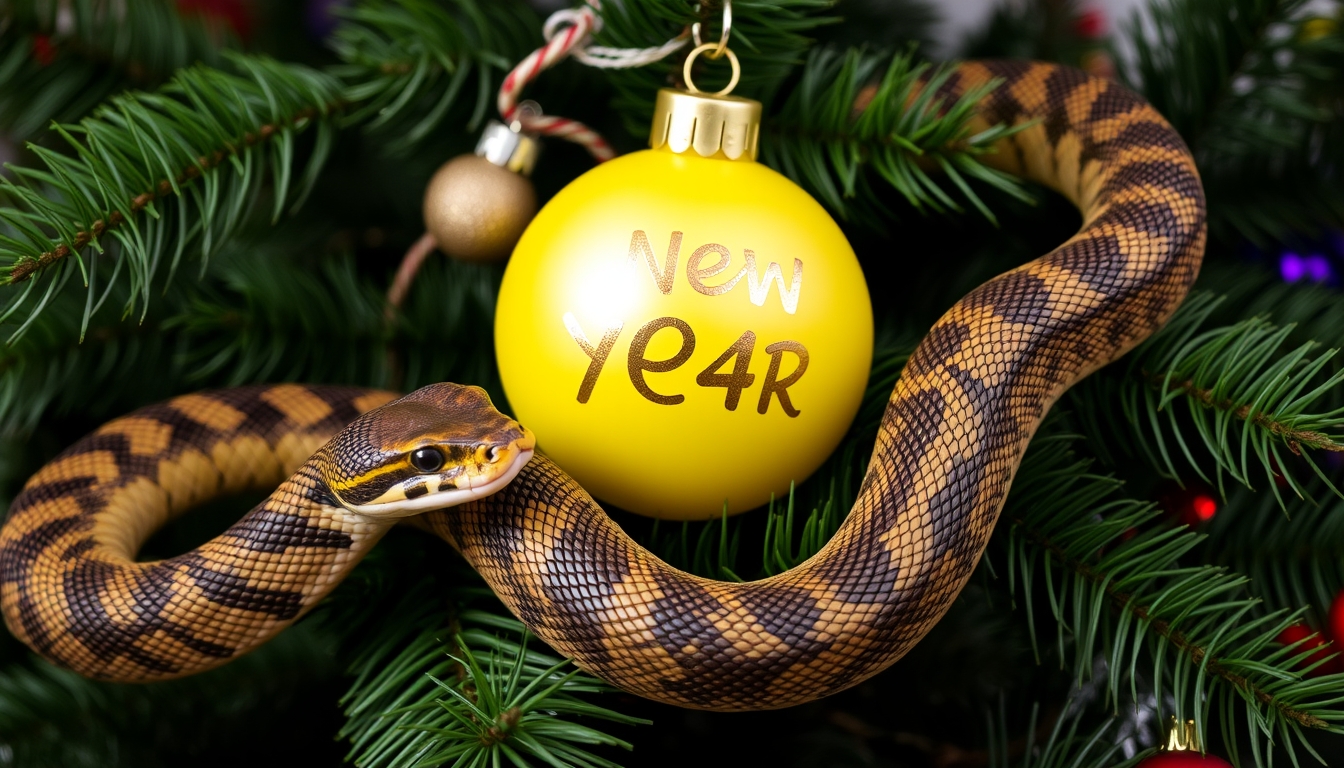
[568, 33]
[561, 41]
[410, 265]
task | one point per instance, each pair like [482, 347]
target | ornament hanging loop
[722, 47]
[690, 59]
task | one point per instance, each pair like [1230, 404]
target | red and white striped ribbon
[583, 21]
[567, 33]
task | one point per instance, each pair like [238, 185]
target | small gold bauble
[477, 210]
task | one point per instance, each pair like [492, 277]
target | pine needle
[857, 115]
[1260, 414]
[156, 175]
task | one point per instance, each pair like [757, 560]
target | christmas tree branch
[1294, 559]
[405, 63]
[24, 269]
[1123, 601]
[283, 309]
[1314, 311]
[59, 60]
[1251, 86]
[1295, 439]
[1112, 573]
[434, 685]
[769, 38]
[1249, 401]
[143, 150]
[1063, 746]
[855, 111]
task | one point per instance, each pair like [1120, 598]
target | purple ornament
[1318, 268]
[1315, 267]
[1333, 461]
[1291, 267]
[320, 17]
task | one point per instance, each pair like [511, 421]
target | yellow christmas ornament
[684, 329]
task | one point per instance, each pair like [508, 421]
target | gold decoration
[1182, 737]
[712, 125]
[687, 330]
[477, 210]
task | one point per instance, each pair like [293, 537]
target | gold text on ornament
[758, 286]
[773, 386]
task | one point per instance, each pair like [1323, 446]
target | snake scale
[954, 431]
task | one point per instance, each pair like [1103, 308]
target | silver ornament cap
[508, 148]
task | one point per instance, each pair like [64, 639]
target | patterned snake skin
[955, 428]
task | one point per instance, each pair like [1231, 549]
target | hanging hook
[690, 59]
[723, 37]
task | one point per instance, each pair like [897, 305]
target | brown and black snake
[954, 431]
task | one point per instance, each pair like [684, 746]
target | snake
[345, 464]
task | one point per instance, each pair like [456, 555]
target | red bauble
[1314, 640]
[1335, 626]
[1183, 760]
[1182, 750]
[1090, 24]
[43, 50]
[1192, 505]
[237, 14]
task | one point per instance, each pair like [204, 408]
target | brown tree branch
[1196, 653]
[25, 269]
[1294, 438]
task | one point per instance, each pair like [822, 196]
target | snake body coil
[969, 400]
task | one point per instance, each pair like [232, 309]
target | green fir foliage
[153, 243]
[436, 684]
[1255, 410]
[1064, 745]
[1313, 311]
[60, 60]
[1253, 87]
[407, 63]
[261, 314]
[857, 114]
[770, 38]
[156, 177]
[1118, 590]
[1295, 559]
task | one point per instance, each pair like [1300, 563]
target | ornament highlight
[476, 206]
[685, 330]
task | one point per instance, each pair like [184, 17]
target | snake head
[437, 447]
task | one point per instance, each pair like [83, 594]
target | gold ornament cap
[1182, 736]
[711, 125]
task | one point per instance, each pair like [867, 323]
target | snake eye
[427, 459]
